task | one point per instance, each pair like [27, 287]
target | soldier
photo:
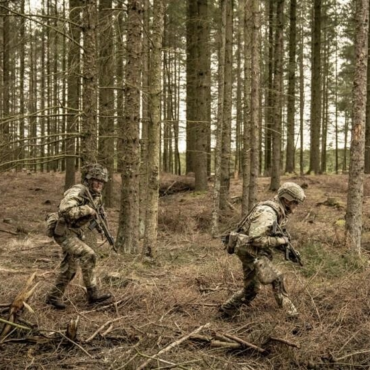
[253, 243]
[71, 232]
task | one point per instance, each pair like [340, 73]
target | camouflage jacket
[75, 208]
[257, 225]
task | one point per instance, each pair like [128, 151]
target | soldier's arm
[72, 207]
[260, 229]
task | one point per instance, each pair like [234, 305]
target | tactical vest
[245, 223]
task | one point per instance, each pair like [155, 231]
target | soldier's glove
[282, 240]
[230, 241]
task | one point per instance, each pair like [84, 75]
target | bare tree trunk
[336, 96]
[220, 113]
[278, 98]
[226, 131]
[43, 95]
[325, 96]
[239, 90]
[4, 146]
[316, 90]
[255, 100]
[22, 109]
[346, 125]
[191, 59]
[367, 131]
[120, 53]
[88, 134]
[48, 92]
[202, 96]
[247, 104]
[128, 229]
[269, 93]
[74, 61]
[106, 95]
[356, 167]
[290, 150]
[301, 102]
[64, 92]
[55, 100]
[151, 224]
[145, 121]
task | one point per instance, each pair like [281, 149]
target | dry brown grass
[164, 302]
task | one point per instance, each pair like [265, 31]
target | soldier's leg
[281, 297]
[81, 252]
[87, 259]
[252, 285]
[67, 271]
[245, 295]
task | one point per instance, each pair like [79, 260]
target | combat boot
[56, 302]
[94, 297]
[54, 298]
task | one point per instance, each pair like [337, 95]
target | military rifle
[99, 222]
[290, 253]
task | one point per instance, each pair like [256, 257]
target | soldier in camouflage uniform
[75, 214]
[253, 243]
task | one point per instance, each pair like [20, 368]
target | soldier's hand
[92, 212]
[282, 240]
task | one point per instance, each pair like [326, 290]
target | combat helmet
[94, 171]
[291, 192]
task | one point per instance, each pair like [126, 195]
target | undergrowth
[330, 264]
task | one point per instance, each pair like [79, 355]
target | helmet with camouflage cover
[291, 192]
[94, 171]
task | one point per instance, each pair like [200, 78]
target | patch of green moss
[329, 263]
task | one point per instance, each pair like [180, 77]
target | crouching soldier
[253, 242]
[72, 233]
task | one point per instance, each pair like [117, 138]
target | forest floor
[159, 305]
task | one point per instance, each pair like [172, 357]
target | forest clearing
[159, 305]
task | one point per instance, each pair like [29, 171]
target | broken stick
[172, 345]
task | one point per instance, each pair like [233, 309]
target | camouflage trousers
[256, 272]
[75, 252]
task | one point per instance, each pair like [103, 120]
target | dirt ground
[156, 307]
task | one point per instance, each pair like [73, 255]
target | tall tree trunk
[202, 96]
[22, 109]
[88, 134]
[106, 95]
[290, 150]
[128, 229]
[4, 146]
[367, 131]
[56, 121]
[247, 104]
[346, 126]
[64, 91]
[74, 61]
[325, 95]
[269, 93]
[226, 131]
[278, 98]
[316, 90]
[120, 54]
[151, 224]
[255, 102]
[48, 92]
[356, 167]
[301, 102]
[239, 89]
[191, 59]
[220, 113]
[145, 121]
